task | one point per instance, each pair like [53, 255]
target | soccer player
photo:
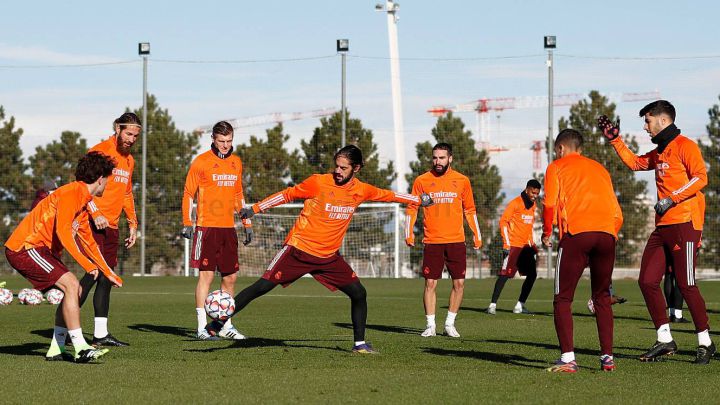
[105, 211]
[312, 245]
[680, 174]
[216, 178]
[519, 250]
[444, 237]
[35, 247]
[580, 199]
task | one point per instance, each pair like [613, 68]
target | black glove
[663, 205]
[187, 232]
[426, 200]
[610, 129]
[246, 212]
[248, 236]
[506, 253]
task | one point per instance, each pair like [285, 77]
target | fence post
[397, 240]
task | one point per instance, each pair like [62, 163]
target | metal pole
[396, 94]
[344, 112]
[144, 170]
[550, 140]
[397, 241]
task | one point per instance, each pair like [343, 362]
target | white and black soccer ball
[6, 296]
[30, 296]
[219, 305]
[54, 296]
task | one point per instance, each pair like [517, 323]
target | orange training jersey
[680, 174]
[118, 195]
[516, 224]
[328, 210]
[443, 221]
[579, 197]
[51, 222]
[218, 185]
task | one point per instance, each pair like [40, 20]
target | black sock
[499, 285]
[86, 284]
[101, 299]
[358, 308]
[527, 286]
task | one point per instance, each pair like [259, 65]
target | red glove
[610, 129]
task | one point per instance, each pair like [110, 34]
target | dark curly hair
[93, 166]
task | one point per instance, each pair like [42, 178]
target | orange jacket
[118, 195]
[52, 223]
[218, 185]
[443, 221]
[516, 224]
[680, 174]
[328, 210]
[579, 197]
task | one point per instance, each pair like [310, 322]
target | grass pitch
[300, 340]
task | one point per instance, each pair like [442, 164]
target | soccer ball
[54, 296]
[6, 296]
[219, 305]
[29, 296]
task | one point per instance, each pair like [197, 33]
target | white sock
[567, 357]
[78, 339]
[704, 338]
[519, 305]
[492, 305]
[201, 319]
[678, 313]
[663, 334]
[361, 342]
[450, 320]
[59, 336]
[430, 320]
[228, 324]
[100, 327]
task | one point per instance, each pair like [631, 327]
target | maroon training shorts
[215, 248]
[38, 266]
[108, 240]
[519, 259]
[437, 256]
[290, 263]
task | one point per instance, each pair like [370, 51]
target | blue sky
[48, 100]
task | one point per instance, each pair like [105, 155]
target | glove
[610, 129]
[248, 236]
[663, 205]
[246, 212]
[187, 232]
[426, 200]
[506, 252]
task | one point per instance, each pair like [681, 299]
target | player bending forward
[312, 244]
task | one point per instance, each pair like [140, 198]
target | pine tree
[266, 164]
[629, 190]
[56, 161]
[711, 153]
[15, 194]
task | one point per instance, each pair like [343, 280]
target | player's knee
[230, 278]
[647, 284]
[430, 285]
[356, 292]
[69, 284]
[458, 285]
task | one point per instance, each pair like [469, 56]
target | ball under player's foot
[88, 354]
[204, 335]
[704, 354]
[364, 348]
[658, 350]
[451, 331]
[230, 332]
[429, 331]
[108, 340]
[563, 367]
[607, 363]
[214, 327]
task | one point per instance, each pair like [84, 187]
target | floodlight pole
[144, 51]
[550, 44]
[343, 45]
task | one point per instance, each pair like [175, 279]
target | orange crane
[271, 118]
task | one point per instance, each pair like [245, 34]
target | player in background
[519, 249]
[580, 200]
[312, 245]
[215, 182]
[443, 233]
[105, 211]
[680, 174]
[673, 297]
[35, 247]
[47, 188]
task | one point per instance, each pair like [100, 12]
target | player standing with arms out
[105, 211]
[35, 247]
[312, 245]
[580, 199]
[519, 250]
[216, 178]
[444, 236]
[680, 174]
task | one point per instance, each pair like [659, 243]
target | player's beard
[124, 150]
[343, 181]
[442, 170]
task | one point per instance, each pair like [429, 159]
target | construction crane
[270, 118]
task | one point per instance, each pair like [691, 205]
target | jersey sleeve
[505, 223]
[468, 203]
[129, 204]
[631, 160]
[696, 171]
[411, 213]
[307, 189]
[92, 250]
[192, 182]
[373, 193]
[65, 232]
[552, 192]
[240, 197]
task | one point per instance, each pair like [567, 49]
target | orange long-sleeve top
[52, 222]
[218, 185]
[680, 174]
[327, 211]
[516, 224]
[118, 195]
[443, 221]
[579, 197]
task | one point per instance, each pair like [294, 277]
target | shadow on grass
[46, 333]
[384, 328]
[266, 342]
[513, 359]
[483, 310]
[25, 349]
[165, 329]
[555, 347]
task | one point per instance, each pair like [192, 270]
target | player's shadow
[483, 310]
[691, 331]
[502, 358]
[266, 342]
[615, 316]
[590, 352]
[383, 328]
[25, 349]
[164, 329]
[46, 333]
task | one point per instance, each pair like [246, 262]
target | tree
[711, 153]
[629, 190]
[57, 160]
[316, 155]
[266, 164]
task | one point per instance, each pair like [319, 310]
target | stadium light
[144, 51]
[144, 48]
[550, 42]
[343, 46]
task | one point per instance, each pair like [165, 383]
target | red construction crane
[271, 118]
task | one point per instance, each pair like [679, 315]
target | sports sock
[430, 320]
[360, 342]
[519, 305]
[567, 357]
[450, 320]
[492, 305]
[228, 324]
[678, 313]
[78, 339]
[704, 338]
[57, 345]
[201, 319]
[663, 334]
[100, 327]
[499, 285]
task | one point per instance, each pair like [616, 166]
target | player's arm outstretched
[373, 193]
[468, 202]
[611, 131]
[411, 213]
[307, 189]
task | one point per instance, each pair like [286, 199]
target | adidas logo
[676, 248]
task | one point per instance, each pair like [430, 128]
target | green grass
[300, 341]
